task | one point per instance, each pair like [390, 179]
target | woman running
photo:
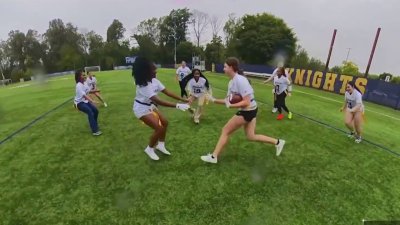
[282, 89]
[245, 117]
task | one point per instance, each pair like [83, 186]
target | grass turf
[55, 172]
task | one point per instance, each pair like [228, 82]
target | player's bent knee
[165, 123]
[251, 137]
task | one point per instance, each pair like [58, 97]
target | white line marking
[20, 86]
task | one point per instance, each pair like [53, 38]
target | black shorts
[248, 115]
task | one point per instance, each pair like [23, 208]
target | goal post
[92, 68]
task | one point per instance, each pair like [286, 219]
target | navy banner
[377, 91]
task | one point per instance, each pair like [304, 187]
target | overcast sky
[313, 21]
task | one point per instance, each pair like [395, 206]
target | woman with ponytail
[354, 109]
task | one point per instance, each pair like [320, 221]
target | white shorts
[141, 110]
[362, 109]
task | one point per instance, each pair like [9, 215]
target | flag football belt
[143, 103]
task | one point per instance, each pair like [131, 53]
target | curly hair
[191, 75]
[142, 71]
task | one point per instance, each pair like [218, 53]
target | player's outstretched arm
[343, 107]
[172, 95]
[179, 106]
[269, 79]
[89, 98]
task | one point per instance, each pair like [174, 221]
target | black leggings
[183, 91]
[281, 103]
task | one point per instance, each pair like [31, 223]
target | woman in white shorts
[146, 101]
[354, 111]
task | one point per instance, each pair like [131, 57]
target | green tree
[350, 68]
[115, 31]
[95, 45]
[149, 28]
[71, 58]
[300, 59]
[214, 52]
[60, 39]
[5, 66]
[383, 76]
[175, 25]
[115, 49]
[147, 47]
[33, 49]
[15, 49]
[115, 54]
[336, 69]
[316, 64]
[230, 28]
[259, 37]
[185, 51]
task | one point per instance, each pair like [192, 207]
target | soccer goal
[92, 68]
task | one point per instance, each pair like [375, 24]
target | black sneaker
[191, 110]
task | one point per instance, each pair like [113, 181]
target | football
[235, 98]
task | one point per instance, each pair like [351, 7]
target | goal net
[92, 68]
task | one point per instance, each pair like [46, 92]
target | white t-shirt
[281, 84]
[275, 73]
[198, 88]
[144, 93]
[240, 85]
[91, 83]
[183, 72]
[80, 92]
[87, 87]
[353, 99]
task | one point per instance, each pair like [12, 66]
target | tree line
[254, 39]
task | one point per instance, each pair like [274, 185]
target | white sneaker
[98, 133]
[358, 140]
[150, 152]
[163, 150]
[196, 121]
[279, 147]
[274, 110]
[209, 158]
[351, 135]
[105, 105]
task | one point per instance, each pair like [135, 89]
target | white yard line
[21, 86]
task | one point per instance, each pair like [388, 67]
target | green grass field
[56, 172]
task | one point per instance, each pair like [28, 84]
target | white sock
[161, 144]
[149, 148]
